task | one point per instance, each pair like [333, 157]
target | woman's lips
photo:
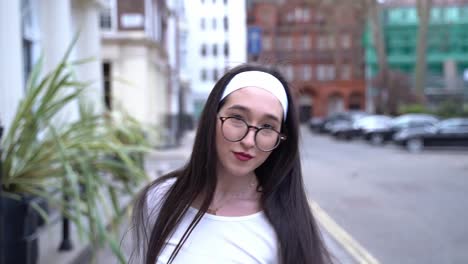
[242, 156]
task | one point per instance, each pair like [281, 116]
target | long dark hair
[283, 198]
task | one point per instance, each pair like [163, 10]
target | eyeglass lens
[235, 129]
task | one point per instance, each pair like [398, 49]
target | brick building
[318, 49]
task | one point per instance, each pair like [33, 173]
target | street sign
[254, 40]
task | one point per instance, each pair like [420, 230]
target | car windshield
[374, 120]
[405, 120]
[453, 122]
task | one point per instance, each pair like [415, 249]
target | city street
[401, 207]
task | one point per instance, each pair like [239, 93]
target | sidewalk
[158, 163]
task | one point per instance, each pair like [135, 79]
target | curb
[358, 252]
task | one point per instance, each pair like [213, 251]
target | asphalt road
[401, 207]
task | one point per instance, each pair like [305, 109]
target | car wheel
[415, 145]
[376, 139]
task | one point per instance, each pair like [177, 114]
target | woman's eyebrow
[239, 107]
[245, 109]
[272, 117]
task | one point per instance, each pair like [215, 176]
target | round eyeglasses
[235, 129]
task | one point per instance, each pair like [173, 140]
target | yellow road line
[358, 252]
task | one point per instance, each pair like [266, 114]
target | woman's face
[257, 107]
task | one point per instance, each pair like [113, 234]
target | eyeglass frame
[281, 137]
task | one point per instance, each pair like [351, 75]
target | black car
[361, 125]
[399, 123]
[315, 124]
[451, 132]
[327, 124]
[322, 125]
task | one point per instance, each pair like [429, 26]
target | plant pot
[19, 223]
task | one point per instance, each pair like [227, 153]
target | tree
[424, 10]
[375, 24]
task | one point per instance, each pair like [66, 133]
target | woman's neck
[235, 185]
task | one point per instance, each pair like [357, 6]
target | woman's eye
[237, 116]
[267, 126]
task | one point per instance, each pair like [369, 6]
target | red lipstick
[242, 156]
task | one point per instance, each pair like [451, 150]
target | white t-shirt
[219, 239]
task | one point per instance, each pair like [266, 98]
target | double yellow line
[358, 252]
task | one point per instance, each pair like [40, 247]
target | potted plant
[91, 160]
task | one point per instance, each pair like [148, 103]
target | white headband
[261, 80]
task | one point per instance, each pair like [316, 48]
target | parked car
[348, 129]
[370, 127]
[315, 123]
[336, 128]
[451, 132]
[322, 125]
[385, 133]
[328, 123]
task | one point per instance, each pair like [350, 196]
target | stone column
[11, 62]
[56, 30]
[85, 19]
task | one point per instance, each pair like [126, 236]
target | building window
[298, 14]
[203, 50]
[265, 17]
[345, 41]
[202, 23]
[203, 75]
[330, 72]
[27, 58]
[288, 42]
[345, 72]
[320, 72]
[226, 49]
[215, 50]
[105, 19]
[331, 42]
[29, 35]
[214, 23]
[321, 42]
[225, 2]
[279, 42]
[289, 72]
[306, 72]
[226, 23]
[306, 14]
[464, 12]
[266, 43]
[320, 19]
[404, 15]
[305, 42]
[215, 75]
[107, 76]
[290, 17]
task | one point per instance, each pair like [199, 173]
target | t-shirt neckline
[228, 218]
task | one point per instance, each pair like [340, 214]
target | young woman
[240, 198]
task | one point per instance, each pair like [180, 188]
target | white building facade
[31, 28]
[135, 61]
[216, 43]
[180, 110]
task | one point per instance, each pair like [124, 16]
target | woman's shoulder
[159, 189]
[156, 194]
